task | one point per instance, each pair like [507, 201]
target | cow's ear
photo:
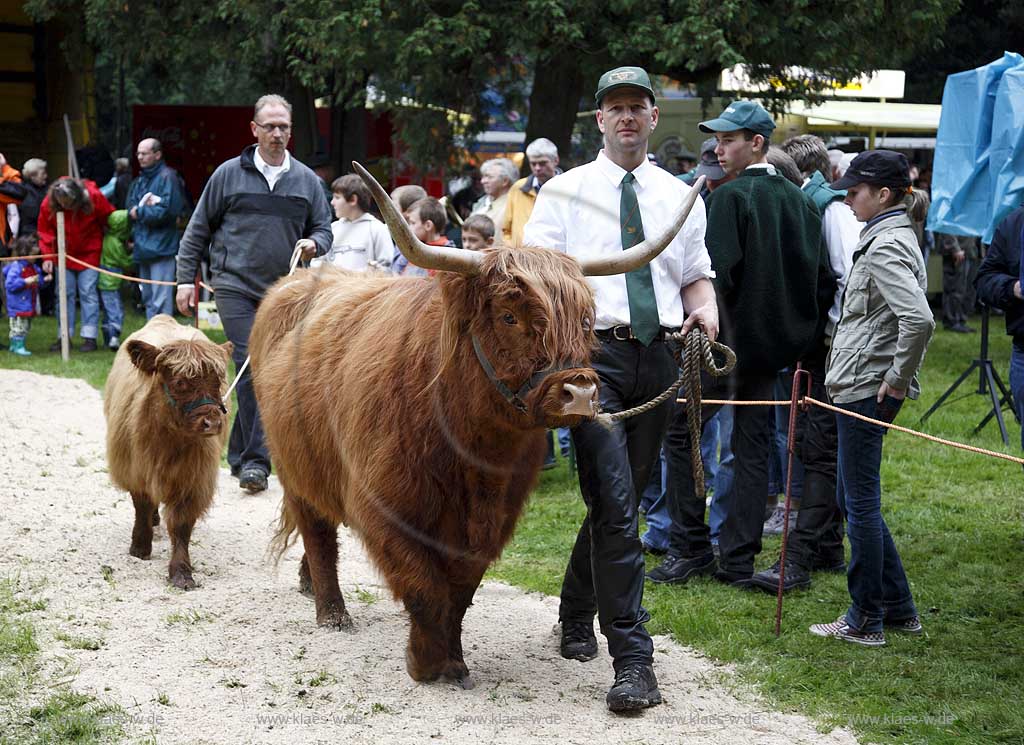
[228, 348]
[143, 355]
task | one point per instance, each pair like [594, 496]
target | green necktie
[643, 306]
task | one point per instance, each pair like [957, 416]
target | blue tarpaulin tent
[978, 175]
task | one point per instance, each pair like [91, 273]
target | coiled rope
[695, 351]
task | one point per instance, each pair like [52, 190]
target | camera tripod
[988, 382]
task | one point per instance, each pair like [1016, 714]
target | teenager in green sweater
[774, 288]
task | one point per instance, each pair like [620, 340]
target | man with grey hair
[497, 176]
[543, 157]
[255, 211]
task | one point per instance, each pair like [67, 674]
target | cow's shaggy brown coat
[158, 450]
[379, 416]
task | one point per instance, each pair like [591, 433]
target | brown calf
[166, 429]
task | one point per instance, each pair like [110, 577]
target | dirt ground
[241, 660]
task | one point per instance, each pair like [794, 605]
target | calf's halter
[516, 398]
[189, 407]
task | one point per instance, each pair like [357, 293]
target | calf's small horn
[645, 251]
[441, 258]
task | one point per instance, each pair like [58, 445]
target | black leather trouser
[606, 569]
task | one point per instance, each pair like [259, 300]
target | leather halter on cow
[386, 404]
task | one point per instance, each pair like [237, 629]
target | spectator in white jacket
[361, 241]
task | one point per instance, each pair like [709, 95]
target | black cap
[877, 167]
[709, 165]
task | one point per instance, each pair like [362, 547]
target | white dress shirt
[577, 212]
[271, 173]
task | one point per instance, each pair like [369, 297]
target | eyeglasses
[285, 129]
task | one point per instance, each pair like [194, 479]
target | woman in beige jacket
[877, 350]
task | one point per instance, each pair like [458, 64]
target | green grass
[63, 715]
[956, 518]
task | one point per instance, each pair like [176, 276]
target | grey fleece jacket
[248, 231]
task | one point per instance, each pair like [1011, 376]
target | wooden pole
[62, 284]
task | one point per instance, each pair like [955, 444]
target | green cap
[624, 77]
[741, 115]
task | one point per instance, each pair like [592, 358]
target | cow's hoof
[183, 581]
[417, 672]
[140, 552]
[458, 673]
[336, 618]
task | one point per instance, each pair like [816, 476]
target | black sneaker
[825, 564]
[635, 687]
[578, 641]
[676, 570]
[253, 480]
[796, 578]
[87, 345]
[549, 463]
[649, 549]
[735, 579]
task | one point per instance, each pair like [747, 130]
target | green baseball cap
[741, 115]
[624, 77]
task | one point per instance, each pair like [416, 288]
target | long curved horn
[442, 258]
[645, 251]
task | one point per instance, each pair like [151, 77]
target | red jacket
[84, 231]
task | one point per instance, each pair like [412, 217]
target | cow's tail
[286, 533]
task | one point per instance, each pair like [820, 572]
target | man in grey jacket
[255, 211]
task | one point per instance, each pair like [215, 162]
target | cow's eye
[509, 319]
[585, 324]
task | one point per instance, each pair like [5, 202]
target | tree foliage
[432, 62]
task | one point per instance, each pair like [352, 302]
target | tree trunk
[305, 136]
[554, 101]
[348, 129]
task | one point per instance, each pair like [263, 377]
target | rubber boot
[18, 347]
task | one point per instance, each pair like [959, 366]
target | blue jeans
[113, 312]
[83, 284]
[724, 473]
[717, 476]
[875, 578]
[652, 502]
[1017, 383]
[158, 298]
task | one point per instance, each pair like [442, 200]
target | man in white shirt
[602, 208]
[361, 240]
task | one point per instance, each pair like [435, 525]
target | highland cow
[166, 429]
[413, 411]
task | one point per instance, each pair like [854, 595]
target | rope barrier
[836, 409]
[101, 270]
